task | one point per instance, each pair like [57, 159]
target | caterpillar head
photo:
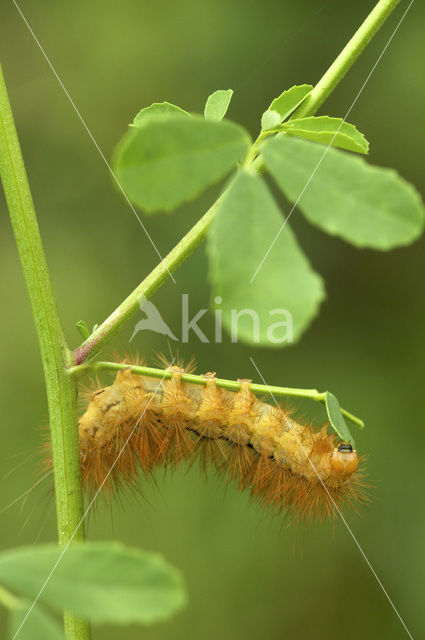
[344, 460]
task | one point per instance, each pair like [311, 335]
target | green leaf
[103, 582]
[270, 119]
[328, 130]
[246, 224]
[217, 104]
[285, 104]
[158, 109]
[336, 418]
[169, 159]
[83, 329]
[39, 625]
[344, 195]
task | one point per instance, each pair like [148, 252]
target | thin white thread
[88, 509]
[25, 493]
[330, 144]
[91, 136]
[333, 502]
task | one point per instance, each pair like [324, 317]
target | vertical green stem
[61, 388]
[346, 58]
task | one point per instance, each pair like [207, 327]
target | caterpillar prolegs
[142, 422]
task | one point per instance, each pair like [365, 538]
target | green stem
[61, 388]
[110, 327]
[105, 332]
[230, 385]
[346, 58]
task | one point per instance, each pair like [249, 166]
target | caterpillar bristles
[177, 408]
[207, 425]
[164, 363]
[86, 390]
[142, 422]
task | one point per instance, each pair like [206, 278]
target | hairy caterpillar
[140, 422]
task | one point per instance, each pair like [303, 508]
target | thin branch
[230, 385]
[346, 58]
[110, 327]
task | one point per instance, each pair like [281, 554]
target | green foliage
[246, 224]
[170, 159]
[336, 419]
[333, 131]
[284, 105]
[366, 205]
[39, 625]
[102, 582]
[83, 329]
[217, 104]
[158, 109]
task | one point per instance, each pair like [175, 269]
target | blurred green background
[248, 574]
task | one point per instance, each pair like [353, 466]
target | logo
[276, 332]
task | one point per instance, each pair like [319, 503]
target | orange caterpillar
[139, 421]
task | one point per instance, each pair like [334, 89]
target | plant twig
[230, 385]
[61, 388]
[110, 327]
[346, 58]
